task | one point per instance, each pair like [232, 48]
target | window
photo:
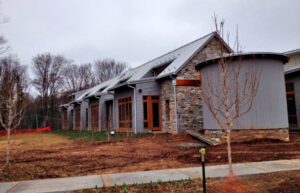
[168, 114]
[125, 113]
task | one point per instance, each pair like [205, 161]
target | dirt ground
[278, 182]
[37, 156]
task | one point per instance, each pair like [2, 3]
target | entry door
[152, 118]
[109, 115]
[291, 103]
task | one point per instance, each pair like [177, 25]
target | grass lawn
[278, 182]
[75, 153]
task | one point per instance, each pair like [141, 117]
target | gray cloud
[136, 31]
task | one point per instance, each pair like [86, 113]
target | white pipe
[175, 101]
[135, 108]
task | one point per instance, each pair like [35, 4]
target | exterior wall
[119, 94]
[189, 102]
[151, 88]
[83, 107]
[102, 109]
[294, 61]
[70, 117]
[295, 79]
[249, 134]
[75, 106]
[269, 109]
[167, 93]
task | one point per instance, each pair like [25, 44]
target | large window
[125, 113]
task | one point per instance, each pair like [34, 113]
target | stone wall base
[249, 134]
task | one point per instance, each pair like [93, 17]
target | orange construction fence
[23, 131]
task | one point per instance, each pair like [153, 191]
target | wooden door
[291, 103]
[152, 114]
[77, 119]
[95, 117]
[65, 126]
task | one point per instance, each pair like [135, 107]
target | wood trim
[150, 101]
[196, 83]
[125, 113]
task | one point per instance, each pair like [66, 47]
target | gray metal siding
[145, 89]
[269, 109]
[102, 110]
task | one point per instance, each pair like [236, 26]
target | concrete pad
[61, 184]
[221, 171]
[148, 176]
[4, 187]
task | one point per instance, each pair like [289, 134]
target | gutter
[175, 101]
[135, 108]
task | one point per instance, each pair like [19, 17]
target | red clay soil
[140, 154]
[278, 182]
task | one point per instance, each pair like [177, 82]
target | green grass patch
[94, 135]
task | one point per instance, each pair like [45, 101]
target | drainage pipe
[175, 101]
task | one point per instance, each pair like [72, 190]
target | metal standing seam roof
[178, 58]
[292, 70]
[292, 52]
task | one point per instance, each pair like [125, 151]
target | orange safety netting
[23, 131]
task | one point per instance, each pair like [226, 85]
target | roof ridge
[214, 32]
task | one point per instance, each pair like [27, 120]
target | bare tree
[107, 69]
[78, 77]
[12, 96]
[49, 78]
[231, 93]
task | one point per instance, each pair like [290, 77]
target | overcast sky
[136, 31]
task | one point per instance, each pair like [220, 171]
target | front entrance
[95, 117]
[291, 103]
[109, 115]
[152, 117]
[77, 119]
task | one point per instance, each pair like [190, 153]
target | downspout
[100, 121]
[114, 117]
[135, 108]
[175, 101]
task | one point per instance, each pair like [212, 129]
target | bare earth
[37, 156]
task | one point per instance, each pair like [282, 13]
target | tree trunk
[8, 147]
[229, 150]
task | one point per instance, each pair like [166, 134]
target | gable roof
[177, 59]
